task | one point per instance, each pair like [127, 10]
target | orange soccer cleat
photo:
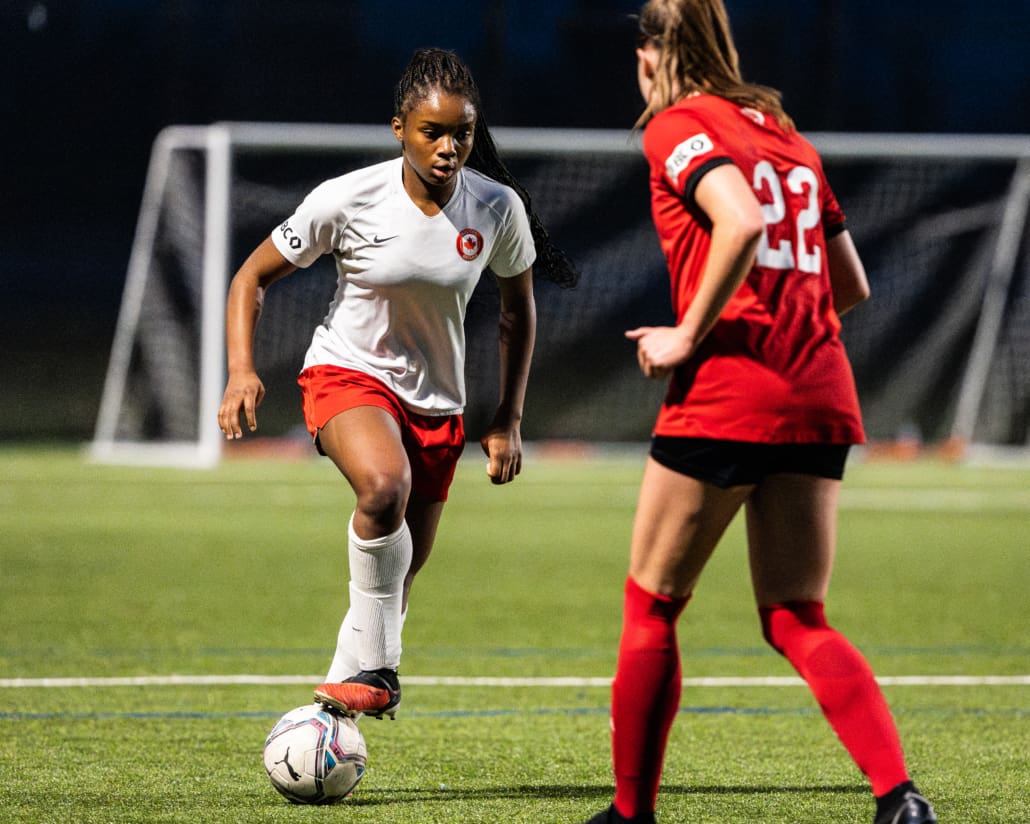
[370, 692]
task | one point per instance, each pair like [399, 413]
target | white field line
[935, 500]
[456, 681]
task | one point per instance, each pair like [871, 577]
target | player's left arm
[848, 279]
[502, 442]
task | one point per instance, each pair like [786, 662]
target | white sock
[375, 619]
[345, 660]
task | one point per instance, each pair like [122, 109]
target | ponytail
[697, 54]
[551, 261]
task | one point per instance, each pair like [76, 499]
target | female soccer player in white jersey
[383, 379]
[761, 406]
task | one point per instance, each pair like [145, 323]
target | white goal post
[200, 233]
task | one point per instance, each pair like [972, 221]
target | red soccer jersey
[773, 368]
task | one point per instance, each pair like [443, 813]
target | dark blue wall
[87, 84]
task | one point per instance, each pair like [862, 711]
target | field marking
[928, 499]
[458, 681]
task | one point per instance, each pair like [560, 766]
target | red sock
[843, 683]
[645, 696]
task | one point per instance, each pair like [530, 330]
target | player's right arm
[244, 390]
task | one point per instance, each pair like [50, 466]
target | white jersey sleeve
[514, 252]
[315, 229]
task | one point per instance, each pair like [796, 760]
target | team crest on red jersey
[470, 244]
[753, 114]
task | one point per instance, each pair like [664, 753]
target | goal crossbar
[221, 143]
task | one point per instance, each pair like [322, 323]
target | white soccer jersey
[405, 278]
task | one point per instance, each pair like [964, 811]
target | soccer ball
[314, 756]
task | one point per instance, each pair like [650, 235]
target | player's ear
[647, 66]
[398, 129]
[648, 62]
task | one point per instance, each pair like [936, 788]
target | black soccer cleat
[904, 805]
[370, 692]
[612, 816]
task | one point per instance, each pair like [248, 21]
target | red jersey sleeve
[833, 218]
[680, 147]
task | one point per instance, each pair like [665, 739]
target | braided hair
[440, 70]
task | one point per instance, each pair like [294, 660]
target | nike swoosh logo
[378, 239]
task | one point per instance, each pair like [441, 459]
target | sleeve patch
[290, 237]
[685, 152]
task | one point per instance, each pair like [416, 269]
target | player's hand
[660, 349]
[503, 446]
[243, 394]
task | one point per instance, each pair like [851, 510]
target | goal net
[942, 352]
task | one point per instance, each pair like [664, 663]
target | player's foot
[612, 816]
[904, 805]
[370, 692]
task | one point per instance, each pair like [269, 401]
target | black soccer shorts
[738, 463]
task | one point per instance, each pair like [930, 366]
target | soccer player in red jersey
[761, 407]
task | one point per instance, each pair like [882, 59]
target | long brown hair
[697, 55]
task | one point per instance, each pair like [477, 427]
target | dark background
[88, 85]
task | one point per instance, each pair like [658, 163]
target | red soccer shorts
[433, 443]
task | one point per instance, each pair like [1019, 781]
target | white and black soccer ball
[314, 756]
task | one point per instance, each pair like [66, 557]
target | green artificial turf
[241, 571]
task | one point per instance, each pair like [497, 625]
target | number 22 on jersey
[796, 253]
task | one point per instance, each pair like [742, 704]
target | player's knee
[383, 496]
[781, 621]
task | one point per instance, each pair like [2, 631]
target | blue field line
[272, 715]
[503, 682]
[562, 653]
